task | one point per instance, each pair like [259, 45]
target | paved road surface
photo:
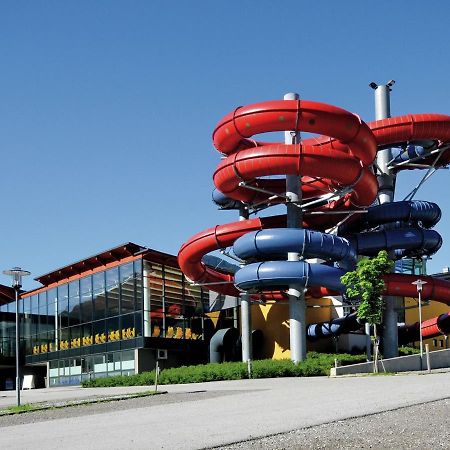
[219, 413]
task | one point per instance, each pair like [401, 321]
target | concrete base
[352, 343]
[438, 360]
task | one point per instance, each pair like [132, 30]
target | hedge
[316, 364]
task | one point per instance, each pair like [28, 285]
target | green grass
[20, 409]
[316, 364]
[29, 407]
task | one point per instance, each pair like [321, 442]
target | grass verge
[21, 409]
[33, 407]
[316, 364]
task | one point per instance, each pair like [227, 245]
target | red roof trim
[100, 260]
[97, 263]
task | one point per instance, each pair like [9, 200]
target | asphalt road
[214, 414]
[424, 426]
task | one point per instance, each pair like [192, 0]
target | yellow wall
[273, 321]
[429, 310]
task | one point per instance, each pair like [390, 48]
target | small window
[98, 280]
[435, 343]
[112, 277]
[126, 272]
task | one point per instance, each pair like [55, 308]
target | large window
[113, 292]
[153, 277]
[74, 370]
[127, 291]
[74, 303]
[86, 306]
[108, 307]
[99, 295]
[174, 307]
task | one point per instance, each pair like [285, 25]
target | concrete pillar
[246, 313]
[297, 307]
[386, 182]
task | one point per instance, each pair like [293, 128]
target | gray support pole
[386, 179]
[246, 313]
[146, 311]
[297, 307]
[386, 182]
[16, 290]
[420, 328]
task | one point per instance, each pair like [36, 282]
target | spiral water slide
[337, 181]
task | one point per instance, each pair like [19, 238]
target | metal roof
[6, 294]
[105, 258]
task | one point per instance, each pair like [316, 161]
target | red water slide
[338, 161]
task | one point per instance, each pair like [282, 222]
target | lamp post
[17, 273]
[419, 285]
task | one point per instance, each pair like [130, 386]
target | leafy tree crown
[365, 285]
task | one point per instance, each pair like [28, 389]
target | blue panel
[281, 274]
[277, 242]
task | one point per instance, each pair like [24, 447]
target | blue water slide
[426, 214]
[224, 202]
[266, 251]
[411, 151]
[281, 274]
[334, 327]
[406, 242]
[276, 242]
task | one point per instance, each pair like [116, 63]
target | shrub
[405, 350]
[316, 364]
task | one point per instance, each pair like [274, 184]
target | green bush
[405, 350]
[316, 364]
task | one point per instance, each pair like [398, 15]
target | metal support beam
[297, 309]
[263, 191]
[386, 182]
[246, 316]
[431, 170]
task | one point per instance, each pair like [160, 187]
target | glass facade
[75, 370]
[103, 307]
[8, 330]
[90, 326]
[174, 306]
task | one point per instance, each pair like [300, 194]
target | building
[117, 312]
[113, 313]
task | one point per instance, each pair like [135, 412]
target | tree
[365, 285]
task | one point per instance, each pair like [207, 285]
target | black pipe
[222, 344]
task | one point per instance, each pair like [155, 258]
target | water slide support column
[297, 307]
[386, 181]
[246, 315]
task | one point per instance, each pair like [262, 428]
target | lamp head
[419, 284]
[16, 273]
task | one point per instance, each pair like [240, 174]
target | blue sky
[107, 107]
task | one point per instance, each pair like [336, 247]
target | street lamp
[419, 285]
[17, 273]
